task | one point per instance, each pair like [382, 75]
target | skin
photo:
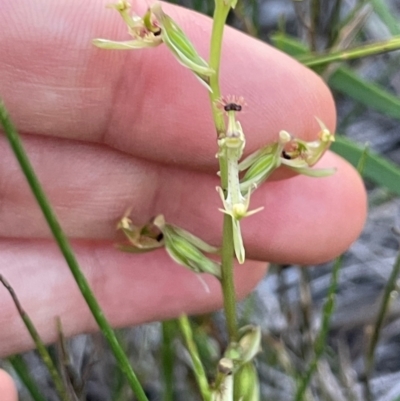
[110, 130]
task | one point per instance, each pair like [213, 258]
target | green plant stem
[19, 365]
[350, 54]
[68, 254]
[384, 307]
[41, 348]
[227, 282]
[168, 330]
[198, 368]
[320, 342]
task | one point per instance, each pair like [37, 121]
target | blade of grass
[167, 352]
[377, 169]
[41, 348]
[20, 368]
[198, 368]
[346, 81]
[327, 310]
[372, 49]
[320, 342]
[383, 310]
[383, 12]
[67, 252]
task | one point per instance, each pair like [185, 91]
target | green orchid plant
[236, 378]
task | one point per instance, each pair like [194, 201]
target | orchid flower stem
[227, 283]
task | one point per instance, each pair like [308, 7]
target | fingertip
[8, 390]
[248, 275]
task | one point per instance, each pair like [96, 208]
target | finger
[144, 102]
[8, 390]
[130, 290]
[305, 220]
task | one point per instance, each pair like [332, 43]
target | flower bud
[179, 44]
[187, 250]
[249, 342]
[246, 383]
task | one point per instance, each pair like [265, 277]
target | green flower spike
[144, 31]
[231, 148]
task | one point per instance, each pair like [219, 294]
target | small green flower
[141, 239]
[145, 31]
[183, 247]
[154, 28]
[231, 148]
[296, 154]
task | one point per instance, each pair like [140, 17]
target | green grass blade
[345, 81]
[372, 49]
[67, 252]
[20, 368]
[321, 340]
[41, 348]
[367, 93]
[376, 168]
[167, 356]
[198, 368]
[387, 17]
[382, 313]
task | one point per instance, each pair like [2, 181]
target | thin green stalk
[168, 330]
[19, 366]
[41, 348]
[227, 283]
[314, 19]
[198, 368]
[350, 54]
[386, 15]
[383, 310]
[320, 342]
[68, 254]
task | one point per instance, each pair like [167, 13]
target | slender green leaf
[382, 10]
[167, 357]
[66, 250]
[367, 93]
[376, 168]
[198, 368]
[345, 81]
[19, 365]
[370, 49]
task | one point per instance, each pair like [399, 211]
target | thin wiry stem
[66, 250]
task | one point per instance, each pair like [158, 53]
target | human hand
[109, 130]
